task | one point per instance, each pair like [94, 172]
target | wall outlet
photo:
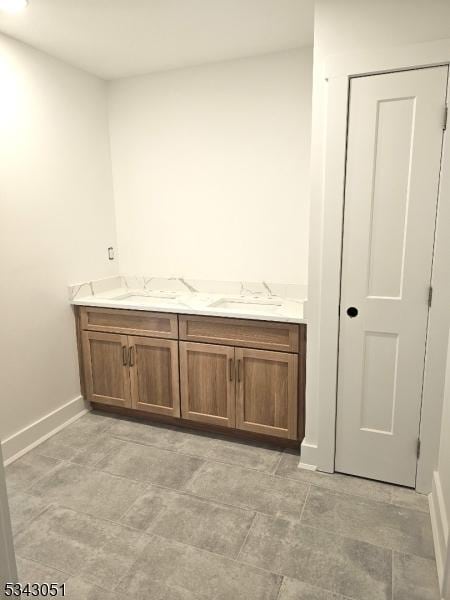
[111, 253]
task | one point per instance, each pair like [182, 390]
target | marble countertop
[240, 300]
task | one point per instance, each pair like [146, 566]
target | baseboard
[306, 466]
[439, 523]
[31, 436]
[308, 456]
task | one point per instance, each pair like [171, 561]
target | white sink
[240, 304]
[151, 298]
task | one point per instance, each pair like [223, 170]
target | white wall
[56, 222]
[211, 169]
[348, 28]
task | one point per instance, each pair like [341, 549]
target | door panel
[207, 383]
[106, 368]
[154, 375]
[267, 392]
[392, 178]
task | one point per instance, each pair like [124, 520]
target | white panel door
[393, 163]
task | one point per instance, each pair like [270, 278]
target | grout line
[279, 589]
[274, 470]
[31, 521]
[41, 564]
[304, 504]
[236, 558]
[27, 490]
[392, 576]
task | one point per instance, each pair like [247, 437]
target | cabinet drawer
[131, 322]
[238, 332]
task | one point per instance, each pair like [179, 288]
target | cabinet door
[154, 375]
[207, 383]
[105, 357]
[267, 393]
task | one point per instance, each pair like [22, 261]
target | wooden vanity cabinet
[232, 373]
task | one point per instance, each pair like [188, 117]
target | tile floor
[118, 509]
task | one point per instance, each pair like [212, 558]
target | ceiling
[119, 38]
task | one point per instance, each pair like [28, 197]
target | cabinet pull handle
[124, 355]
[239, 370]
[230, 366]
[132, 356]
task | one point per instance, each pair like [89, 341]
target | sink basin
[156, 298]
[240, 304]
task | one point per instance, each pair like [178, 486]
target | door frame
[327, 204]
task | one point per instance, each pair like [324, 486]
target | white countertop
[244, 305]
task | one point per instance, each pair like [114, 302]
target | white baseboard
[308, 456]
[306, 466]
[440, 526]
[31, 436]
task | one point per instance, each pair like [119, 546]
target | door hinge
[418, 448]
[444, 125]
[430, 296]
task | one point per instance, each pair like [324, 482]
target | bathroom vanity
[214, 372]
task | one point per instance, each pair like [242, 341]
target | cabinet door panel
[154, 375]
[105, 366]
[267, 393]
[207, 383]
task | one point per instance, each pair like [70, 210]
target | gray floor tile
[191, 520]
[375, 490]
[80, 545]
[172, 545]
[24, 508]
[85, 429]
[377, 523]
[326, 560]
[145, 433]
[410, 499]
[78, 450]
[234, 452]
[261, 457]
[77, 589]
[187, 572]
[249, 489]
[25, 471]
[415, 578]
[150, 464]
[89, 491]
[293, 589]
[30, 571]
